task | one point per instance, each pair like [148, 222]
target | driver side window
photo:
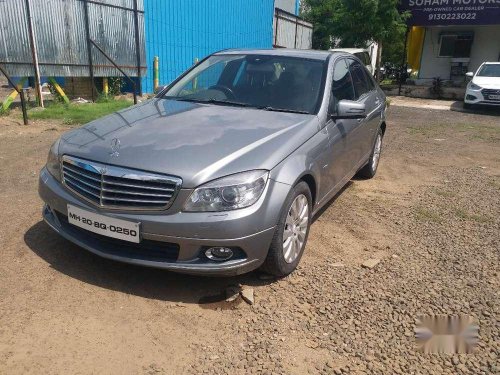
[342, 87]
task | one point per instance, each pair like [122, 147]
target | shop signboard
[452, 12]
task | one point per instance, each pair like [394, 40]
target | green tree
[355, 23]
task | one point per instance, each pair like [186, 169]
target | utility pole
[34, 54]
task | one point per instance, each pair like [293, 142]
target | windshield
[489, 70]
[281, 83]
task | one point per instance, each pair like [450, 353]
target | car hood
[487, 82]
[196, 142]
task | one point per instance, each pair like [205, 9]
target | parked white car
[484, 87]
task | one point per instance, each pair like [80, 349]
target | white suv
[484, 87]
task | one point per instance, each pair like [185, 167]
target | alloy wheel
[376, 152]
[295, 231]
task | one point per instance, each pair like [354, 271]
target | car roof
[303, 53]
[349, 50]
[491, 62]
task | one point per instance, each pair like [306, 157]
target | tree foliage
[355, 23]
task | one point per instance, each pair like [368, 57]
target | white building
[448, 38]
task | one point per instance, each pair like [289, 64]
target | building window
[455, 45]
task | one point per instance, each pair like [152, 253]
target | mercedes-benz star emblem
[115, 146]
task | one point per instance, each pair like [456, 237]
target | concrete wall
[415, 91]
[485, 47]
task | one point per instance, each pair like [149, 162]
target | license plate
[104, 225]
[494, 97]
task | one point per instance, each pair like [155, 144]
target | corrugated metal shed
[291, 31]
[291, 6]
[59, 27]
[178, 31]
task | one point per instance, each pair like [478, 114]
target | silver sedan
[223, 171]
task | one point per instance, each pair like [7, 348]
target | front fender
[303, 162]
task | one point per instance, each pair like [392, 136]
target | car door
[365, 93]
[340, 151]
[375, 108]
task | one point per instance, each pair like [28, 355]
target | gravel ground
[431, 216]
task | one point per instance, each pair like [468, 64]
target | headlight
[473, 86]
[53, 163]
[228, 193]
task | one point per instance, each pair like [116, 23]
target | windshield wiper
[210, 101]
[274, 109]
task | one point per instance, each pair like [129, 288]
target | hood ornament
[115, 147]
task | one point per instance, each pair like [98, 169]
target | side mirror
[159, 89]
[469, 74]
[348, 109]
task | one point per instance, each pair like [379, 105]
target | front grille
[156, 251]
[487, 92]
[115, 187]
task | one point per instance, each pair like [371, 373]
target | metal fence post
[137, 47]
[276, 34]
[117, 67]
[296, 31]
[89, 46]
[20, 92]
[34, 54]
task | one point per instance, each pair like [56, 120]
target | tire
[282, 259]
[369, 170]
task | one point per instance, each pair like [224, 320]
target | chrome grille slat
[76, 181]
[106, 190]
[84, 189]
[117, 187]
[127, 184]
[84, 173]
[96, 183]
[104, 198]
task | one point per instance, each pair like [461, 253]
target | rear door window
[359, 79]
[364, 57]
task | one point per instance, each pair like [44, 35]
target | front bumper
[173, 239]
[479, 97]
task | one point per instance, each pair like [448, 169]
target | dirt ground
[431, 215]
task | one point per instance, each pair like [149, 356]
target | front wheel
[369, 170]
[291, 233]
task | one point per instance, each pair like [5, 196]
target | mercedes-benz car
[222, 171]
[484, 87]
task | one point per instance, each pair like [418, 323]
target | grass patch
[464, 215]
[444, 193]
[426, 130]
[424, 214]
[479, 132]
[75, 114]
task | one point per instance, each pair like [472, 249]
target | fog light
[219, 253]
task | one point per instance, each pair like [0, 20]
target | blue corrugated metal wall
[177, 31]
